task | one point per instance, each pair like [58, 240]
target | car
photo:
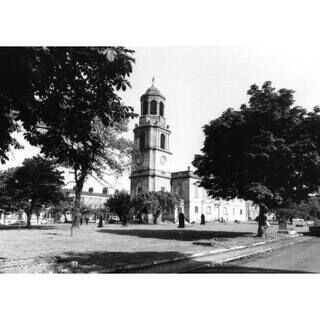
[44, 221]
[315, 228]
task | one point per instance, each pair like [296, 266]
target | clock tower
[152, 160]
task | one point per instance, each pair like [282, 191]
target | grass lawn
[50, 248]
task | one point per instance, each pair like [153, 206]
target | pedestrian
[181, 220]
[203, 219]
[81, 221]
[87, 220]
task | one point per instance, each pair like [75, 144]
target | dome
[153, 91]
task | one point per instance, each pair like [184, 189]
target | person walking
[203, 219]
[181, 220]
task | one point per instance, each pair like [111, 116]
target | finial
[153, 80]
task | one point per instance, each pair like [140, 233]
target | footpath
[219, 257]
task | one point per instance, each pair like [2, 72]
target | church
[151, 168]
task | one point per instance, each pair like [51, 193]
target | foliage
[64, 206]
[7, 202]
[267, 152]
[119, 203]
[155, 203]
[15, 90]
[71, 109]
[307, 210]
[35, 183]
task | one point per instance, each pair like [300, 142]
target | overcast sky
[199, 83]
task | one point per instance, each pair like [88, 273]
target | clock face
[163, 160]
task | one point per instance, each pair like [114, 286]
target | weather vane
[153, 80]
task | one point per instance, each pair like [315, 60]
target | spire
[153, 80]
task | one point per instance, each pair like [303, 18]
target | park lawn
[51, 249]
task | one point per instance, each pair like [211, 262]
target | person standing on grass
[87, 220]
[181, 220]
[203, 219]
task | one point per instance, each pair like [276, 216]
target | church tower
[151, 163]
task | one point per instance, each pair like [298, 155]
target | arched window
[162, 141]
[153, 109]
[161, 108]
[142, 140]
[145, 107]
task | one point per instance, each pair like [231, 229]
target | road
[301, 257]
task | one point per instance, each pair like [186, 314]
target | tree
[307, 210]
[61, 208]
[73, 112]
[15, 90]
[35, 183]
[119, 203]
[267, 152]
[155, 203]
[6, 200]
[167, 203]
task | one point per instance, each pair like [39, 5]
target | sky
[199, 83]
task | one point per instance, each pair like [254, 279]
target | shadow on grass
[37, 227]
[179, 234]
[101, 261]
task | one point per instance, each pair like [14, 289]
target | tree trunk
[262, 212]
[28, 220]
[76, 212]
[29, 214]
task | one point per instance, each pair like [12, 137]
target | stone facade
[197, 202]
[152, 163]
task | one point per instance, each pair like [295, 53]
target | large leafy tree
[15, 90]
[37, 182]
[120, 204]
[7, 202]
[74, 113]
[155, 203]
[267, 152]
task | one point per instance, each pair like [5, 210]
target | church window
[196, 209]
[162, 141]
[142, 140]
[145, 107]
[161, 108]
[163, 189]
[240, 211]
[153, 109]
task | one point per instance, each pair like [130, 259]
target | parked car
[315, 228]
[114, 219]
[91, 220]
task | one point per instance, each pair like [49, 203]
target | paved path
[302, 257]
[209, 263]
